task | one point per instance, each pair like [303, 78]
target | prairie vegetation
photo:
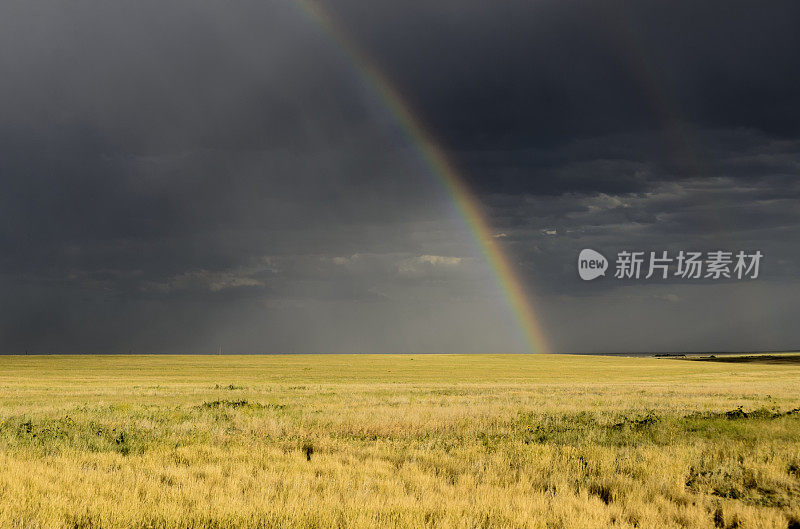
[397, 441]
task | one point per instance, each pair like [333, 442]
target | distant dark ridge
[667, 354]
[788, 359]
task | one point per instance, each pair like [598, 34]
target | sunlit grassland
[397, 441]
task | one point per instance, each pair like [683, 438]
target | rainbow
[466, 203]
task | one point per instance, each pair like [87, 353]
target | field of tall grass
[321, 441]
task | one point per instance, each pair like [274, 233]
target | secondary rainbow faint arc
[466, 203]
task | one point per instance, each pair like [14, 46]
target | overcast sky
[189, 175]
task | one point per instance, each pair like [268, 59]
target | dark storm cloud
[177, 175]
[513, 86]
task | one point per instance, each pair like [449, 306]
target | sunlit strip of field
[397, 441]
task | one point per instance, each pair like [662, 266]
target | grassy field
[397, 441]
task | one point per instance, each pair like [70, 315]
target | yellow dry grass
[433, 441]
